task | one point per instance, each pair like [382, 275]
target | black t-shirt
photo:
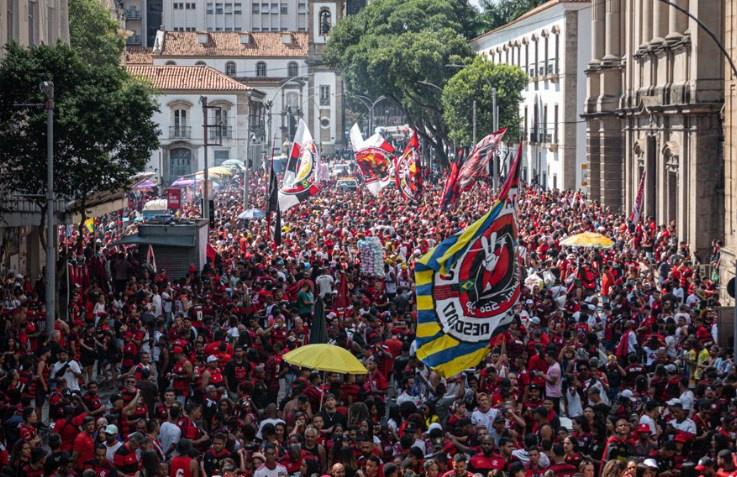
[333, 418]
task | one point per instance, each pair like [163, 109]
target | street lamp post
[247, 171]
[371, 105]
[47, 88]
[270, 103]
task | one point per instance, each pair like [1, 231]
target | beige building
[729, 250]
[32, 22]
[655, 91]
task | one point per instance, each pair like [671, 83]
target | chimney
[286, 38]
[245, 38]
[203, 38]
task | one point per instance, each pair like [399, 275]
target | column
[597, 30]
[613, 31]
[660, 21]
[647, 21]
[612, 161]
[593, 153]
[677, 21]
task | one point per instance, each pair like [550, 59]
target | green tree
[103, 128]
[94, 33]
[500, 12]
[399, 49]
[475, 82]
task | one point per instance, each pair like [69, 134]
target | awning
[167, 241]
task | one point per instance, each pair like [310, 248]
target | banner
[300, 178]
[406, 169]
[467, 286]
[173, 199]
[373, 157]
[450, 191]
[477, 164]
[637, 206]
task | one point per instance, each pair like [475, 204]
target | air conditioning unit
[203, 38]
[245, 38]
[286, 38]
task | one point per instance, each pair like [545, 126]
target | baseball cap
[704, 462]
[178, 349]
[650, 463]
[643, 428]
[460, 457]
[212, 358]
[674, 402]
[111, 429]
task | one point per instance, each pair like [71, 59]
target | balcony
[227, 132]
[180, 132]
[134, 40]
[132, 14]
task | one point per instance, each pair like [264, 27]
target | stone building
[32, 22]
[729, 250]
[655, 91]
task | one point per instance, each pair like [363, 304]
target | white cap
[627, 394]
[212, 358]
[650, 463]
[674, 402]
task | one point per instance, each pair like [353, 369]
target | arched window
[261, 69]
[200, 63]
[171, 63]
[292, 69]
[325, 21]
[230, 68]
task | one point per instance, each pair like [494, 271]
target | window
[256, 29]
[325, 21]
[191, 6]
[292, 69]
[255, 9]
[283, 8]
[324, 95]
[228, 28]
[33, 22]
[274, 8]
[237, 8]
[221, 156]
[218, 28]
[555, 124]
[261, 69]
[284, 28]
[190, 29]
[301, 8]
[228, 9]
[180, 118]
[209, 8]
[219, 8]
[176, 6]
[274, 28]
[230, 68]
[200, 63]
[264, 8]
[171, 63]
[237, 29]
[12, 18]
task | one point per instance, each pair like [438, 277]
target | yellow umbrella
[220, 171]
[588, 240]
[325, 357]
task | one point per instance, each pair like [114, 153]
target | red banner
[173, 199]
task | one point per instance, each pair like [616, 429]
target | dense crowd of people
[611, 366]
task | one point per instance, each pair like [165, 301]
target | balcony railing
[132, 14]
[180, 132]
[226, 131]
[134, 40]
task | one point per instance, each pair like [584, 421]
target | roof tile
[228, 44]
[198, 78]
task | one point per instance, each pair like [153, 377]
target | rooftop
[198, 78]
[234, 44]
[531, 13]
[139, 56]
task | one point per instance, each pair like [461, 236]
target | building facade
[550, 43]
[181, 117]
[728, 258]
[32, 22]
[285, 66]
[655, 92]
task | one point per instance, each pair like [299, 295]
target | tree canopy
[475, 82]
[94, 33]
[399, 49]
[103, 128]
[500, 12]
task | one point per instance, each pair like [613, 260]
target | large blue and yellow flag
[467, 286]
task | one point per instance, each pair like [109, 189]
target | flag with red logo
[406, 169]
[477, 164]
[374, 159]
[300, 178]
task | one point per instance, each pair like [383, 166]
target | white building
[235, 15]
[276, 63]
[180, 117]
[552, 43]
